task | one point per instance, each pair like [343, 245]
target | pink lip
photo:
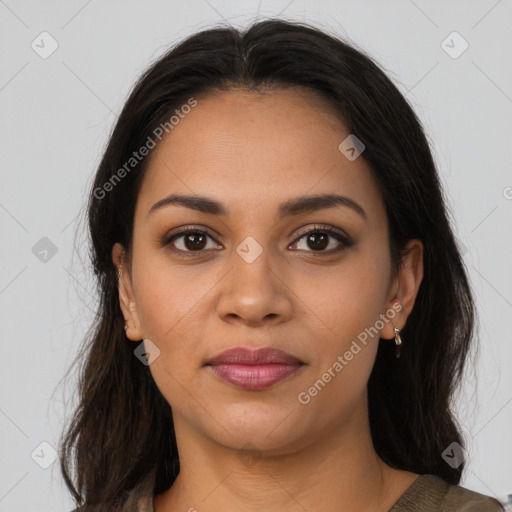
[265, 355]
[254, 376]
[254, 369]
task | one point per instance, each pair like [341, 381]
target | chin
[271, 434]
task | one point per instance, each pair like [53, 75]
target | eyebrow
[307, 204]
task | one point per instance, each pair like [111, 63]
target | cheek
[345, 353]
[351, 299]
[167, 295]
[348, 305]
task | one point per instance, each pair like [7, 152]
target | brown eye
[194, 241]
[319, 239]
[189, 240]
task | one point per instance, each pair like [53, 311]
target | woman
[284, 312]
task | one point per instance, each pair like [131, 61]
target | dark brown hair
[122, 430]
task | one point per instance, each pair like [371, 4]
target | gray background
[57, 113]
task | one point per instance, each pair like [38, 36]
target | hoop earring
[398, 342]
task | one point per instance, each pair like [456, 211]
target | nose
[254, 293]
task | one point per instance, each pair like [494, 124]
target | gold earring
[398, 342]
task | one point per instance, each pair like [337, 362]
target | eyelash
[343, 239]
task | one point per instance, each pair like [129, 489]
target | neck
[337, 470]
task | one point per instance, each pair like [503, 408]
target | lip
[248, 356]
[254, 369]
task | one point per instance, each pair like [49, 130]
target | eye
[194, 240]
[188, 240]
[318, 239]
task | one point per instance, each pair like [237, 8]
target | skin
[251, 152]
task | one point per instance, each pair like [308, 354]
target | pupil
[194, 246]
[323, 240]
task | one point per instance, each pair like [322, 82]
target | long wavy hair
[121, 432]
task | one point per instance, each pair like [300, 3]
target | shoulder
[460, 498]
[432, 493]
[133, 502]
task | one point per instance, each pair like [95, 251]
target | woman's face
[257, 279]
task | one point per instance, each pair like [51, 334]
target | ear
[404, 289]
[126, 295]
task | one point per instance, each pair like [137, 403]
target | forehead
[254, 150]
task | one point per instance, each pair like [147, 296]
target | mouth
[254, 369]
